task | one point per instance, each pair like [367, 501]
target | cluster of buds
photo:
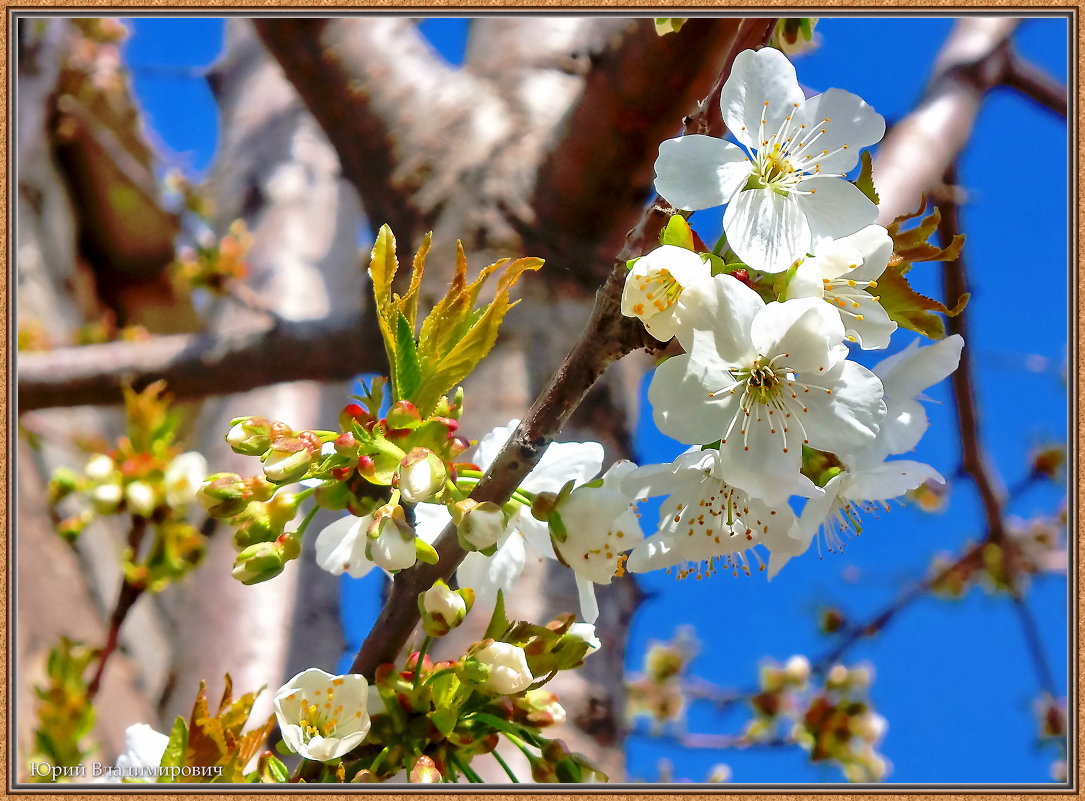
[376, 468]
[834, 722]
[431, 718]
[658, 693]
[215, 265]
[146, 477]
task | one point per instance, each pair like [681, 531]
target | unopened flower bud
[422, 474]
[258, 563]
[508, 672]
[71, 527]
[869, 726]
[99, 467]
[586, 632]
[391, 540]
[106, 497]
[425, 771]
[443, 609]
[480, 525]
[403, 414]
[224, 494]
[346, 444]
[797, 669]
[544, 506]
[140, 498]
[62, 484]
[860, 677]
[837, 677]
[250, 436]
[538, 708]
[288, 459]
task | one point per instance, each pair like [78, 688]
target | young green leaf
[406, 370]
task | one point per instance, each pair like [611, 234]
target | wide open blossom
[836, 515]
[842, 272]
[322, 716]
[661, 287]
[765, 380]
[705, 521]
[784, 187]
[524, 537]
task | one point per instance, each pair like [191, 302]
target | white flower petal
[681, 407]
[589, 606]
[875, 328]
[888, 480]
[849, 418]
[767, 230]
[834, 209]
[803, 329]
[341, 547]
[699, 172]
[758, 77]
[874, 246]
[917, 369]
[486, 575]
[846, 120]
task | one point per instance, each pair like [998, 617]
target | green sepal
[425, 552]
[444, 720]
[865, 182]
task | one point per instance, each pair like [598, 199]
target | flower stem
[472, 777]
[504, 766]
[418, 664]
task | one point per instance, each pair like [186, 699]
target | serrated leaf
[912, 310]
[407, 372]
[383, 265]
[499, 623]
[865, 182]
[408, 305]
[677, 233]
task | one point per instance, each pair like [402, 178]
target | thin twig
[126, 599]
[1035, 84]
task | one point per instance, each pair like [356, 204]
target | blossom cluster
[767, 394]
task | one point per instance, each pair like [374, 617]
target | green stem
[472, 777]
[305, 521]
[505, 766]
[418, 663]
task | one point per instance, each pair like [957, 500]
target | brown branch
[919, 149]
[383, 97]
[973, 459]
[197, 365]
[1035, 84]
[592, 184]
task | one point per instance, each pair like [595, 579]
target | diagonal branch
[384, 99]
[197, 365]
[593, 182]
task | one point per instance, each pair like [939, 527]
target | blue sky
[953, 679]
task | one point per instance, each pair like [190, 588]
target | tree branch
[1035, 84]
[385, 100]
[197, 365]
[592, 184]
[917, 151]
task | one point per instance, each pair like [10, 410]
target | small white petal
[851, 122]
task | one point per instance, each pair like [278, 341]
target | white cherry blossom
[784, 187]
[704, 521]
[765, 380]
[842, 272]
[600, 525]
[836, 515]
[322, 716]
[661, 287]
